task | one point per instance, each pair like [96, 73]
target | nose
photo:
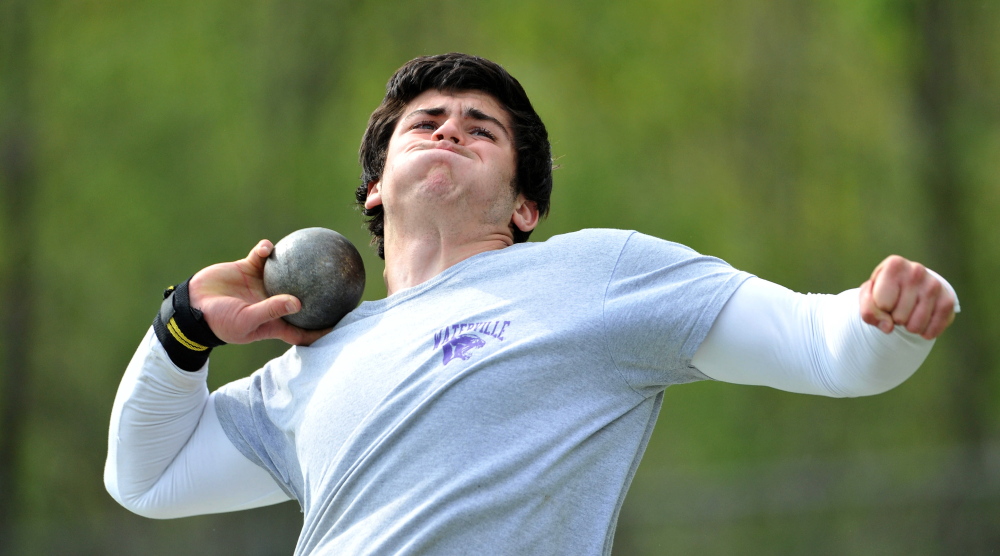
[449, 131]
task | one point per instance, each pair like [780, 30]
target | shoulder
[589, 248]
[592, 241]
[591, 236]
[595, 241]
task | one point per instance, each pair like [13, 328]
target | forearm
[816, 344]
[167, 453]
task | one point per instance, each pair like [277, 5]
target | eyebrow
[472, 113]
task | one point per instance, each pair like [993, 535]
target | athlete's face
[451, 152]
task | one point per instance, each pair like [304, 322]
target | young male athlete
[499, 399]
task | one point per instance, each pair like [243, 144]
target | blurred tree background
[800, 141]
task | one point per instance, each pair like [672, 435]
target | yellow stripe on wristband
[175, 331]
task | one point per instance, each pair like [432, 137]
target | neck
[414, 259]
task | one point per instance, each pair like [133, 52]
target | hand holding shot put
[295, 291]
[236, 306]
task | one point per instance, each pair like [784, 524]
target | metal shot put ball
[321, 268]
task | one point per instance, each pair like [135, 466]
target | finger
[925, 305]
[885, 288]
[270, 309]
[282, 330]
[870, 312]
[905, 303]
[301, 337]
[868, 309]
[259, 254]
[944, 315]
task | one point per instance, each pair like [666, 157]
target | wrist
[182, 330]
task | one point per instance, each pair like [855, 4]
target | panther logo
[460, 347]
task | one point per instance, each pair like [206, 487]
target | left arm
[861, 342]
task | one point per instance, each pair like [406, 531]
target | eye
[427, 124]
[482, 131]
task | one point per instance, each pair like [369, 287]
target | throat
[416, 260]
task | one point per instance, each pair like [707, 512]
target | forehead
[457, 102]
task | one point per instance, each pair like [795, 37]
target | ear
[374, 197]
[525, 215]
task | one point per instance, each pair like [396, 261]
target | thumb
[272, 308]
[871, 312]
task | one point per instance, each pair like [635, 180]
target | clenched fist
[903, 292]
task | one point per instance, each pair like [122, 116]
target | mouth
[444, 146]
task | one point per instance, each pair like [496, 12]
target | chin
[438, 177]
[438, 186]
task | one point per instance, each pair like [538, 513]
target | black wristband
[182, 330]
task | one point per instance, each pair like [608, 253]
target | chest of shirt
[463, 357]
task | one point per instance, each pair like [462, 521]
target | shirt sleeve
[167, 453]
[660, 303]
[768, 335]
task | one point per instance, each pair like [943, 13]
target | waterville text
[490, 328]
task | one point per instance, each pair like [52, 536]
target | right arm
[167, 453]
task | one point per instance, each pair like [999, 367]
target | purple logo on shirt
[460, 347]
[458, 341]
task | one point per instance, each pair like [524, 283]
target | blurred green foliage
[800, 141]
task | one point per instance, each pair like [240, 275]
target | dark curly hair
[457, 72]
